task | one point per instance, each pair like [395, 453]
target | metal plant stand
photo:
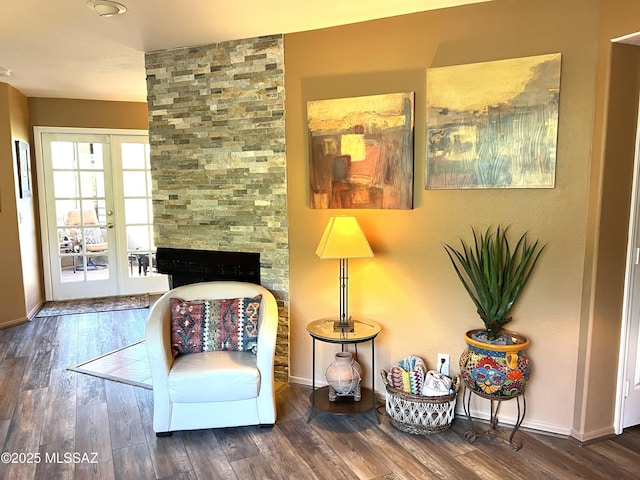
[492, 432]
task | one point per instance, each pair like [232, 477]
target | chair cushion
[201, 377]
[212, 325]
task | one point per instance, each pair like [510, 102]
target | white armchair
[212, 389]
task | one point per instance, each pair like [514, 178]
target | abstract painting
[361, 152]
[24, 168]
[493, 124]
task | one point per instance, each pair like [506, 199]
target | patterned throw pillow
[210, 325]
[190, 326]
[237, 323]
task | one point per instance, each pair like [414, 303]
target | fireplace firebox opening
[185, 266]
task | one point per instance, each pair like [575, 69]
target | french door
[96, 213]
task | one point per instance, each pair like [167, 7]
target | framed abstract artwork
[493, 124]
[361, 152]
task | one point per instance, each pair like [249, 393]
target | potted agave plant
[494, 274]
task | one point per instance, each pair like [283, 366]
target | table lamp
[343, 239]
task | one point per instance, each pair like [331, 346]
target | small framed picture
[24, 168]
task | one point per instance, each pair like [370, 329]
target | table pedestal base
[492, 432]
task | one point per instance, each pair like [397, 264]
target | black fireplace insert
[187, 266]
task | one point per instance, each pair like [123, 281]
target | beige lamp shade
[343, 238]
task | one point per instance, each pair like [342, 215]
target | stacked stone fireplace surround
[218, 165]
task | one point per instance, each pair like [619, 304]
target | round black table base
[492, 432]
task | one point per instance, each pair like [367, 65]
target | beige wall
[614, 142]
[28, 231]
[11, 281]
[20, 283]
[63, 112]
[410, 287]
[601, 329]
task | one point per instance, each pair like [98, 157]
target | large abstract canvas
[493, 124]
[361, 152]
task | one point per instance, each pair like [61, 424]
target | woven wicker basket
[420, 414]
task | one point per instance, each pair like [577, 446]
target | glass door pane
[137, 211]
[78, 186]
[136, 179]
[98, 230]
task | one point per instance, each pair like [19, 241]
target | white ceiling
[62, 49]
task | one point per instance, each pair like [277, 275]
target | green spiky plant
[494, 274]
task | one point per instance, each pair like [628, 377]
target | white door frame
[42, 199]
[632, 263]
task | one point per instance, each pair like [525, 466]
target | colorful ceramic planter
[495, 370]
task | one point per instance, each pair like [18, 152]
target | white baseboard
[510, 421]
[301, 381]
[505, 420]
[593, 434]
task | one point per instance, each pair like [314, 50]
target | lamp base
[345, 327]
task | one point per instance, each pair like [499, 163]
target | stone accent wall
[218, 165]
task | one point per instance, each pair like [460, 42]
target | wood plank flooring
[57, 424]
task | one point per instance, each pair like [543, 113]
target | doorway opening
[96, 213]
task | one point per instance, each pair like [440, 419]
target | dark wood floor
[57, 424]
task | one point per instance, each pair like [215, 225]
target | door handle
[109, 213]
[109, 225]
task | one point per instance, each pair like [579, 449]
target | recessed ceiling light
[5, 72]
[106, 8]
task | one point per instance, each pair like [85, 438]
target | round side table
[323, 331]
